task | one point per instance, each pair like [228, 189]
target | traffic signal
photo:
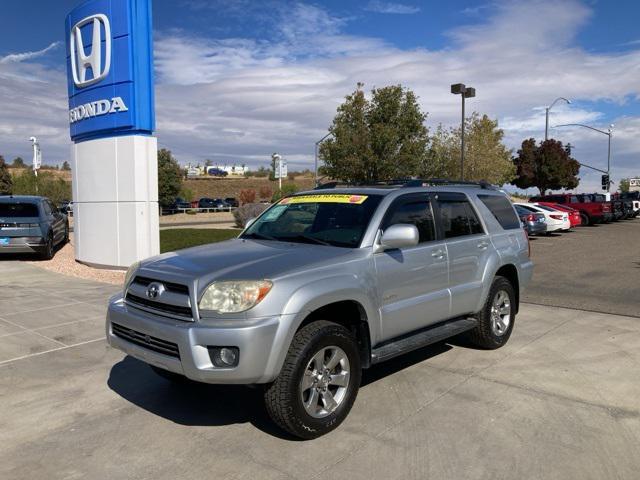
[605, 182]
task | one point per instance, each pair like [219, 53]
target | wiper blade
[311, 239]
[258, 236]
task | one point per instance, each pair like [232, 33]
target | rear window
[15, 210]
[502, 210]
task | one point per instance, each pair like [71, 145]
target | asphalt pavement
[559, 401]
[591, 268]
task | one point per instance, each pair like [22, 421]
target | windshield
[339, 220]
[15, 210]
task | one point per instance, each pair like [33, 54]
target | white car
[556, 220]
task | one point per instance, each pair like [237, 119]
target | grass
[177, 238]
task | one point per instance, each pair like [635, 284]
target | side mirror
[400, 235]
[249, 222]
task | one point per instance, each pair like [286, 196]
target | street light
[465, 92]
[546, 124]
[315, 163]
[608, 133]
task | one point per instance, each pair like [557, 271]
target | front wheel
[318, 383]
[496, 319]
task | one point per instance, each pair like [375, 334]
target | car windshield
[15, 210]
[338, 220]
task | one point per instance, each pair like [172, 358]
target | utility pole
[37, 158]
[465, 92]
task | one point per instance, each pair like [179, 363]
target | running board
[421, 338]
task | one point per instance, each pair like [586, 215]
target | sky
[237, 80]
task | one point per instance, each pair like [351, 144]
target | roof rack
[408, 183]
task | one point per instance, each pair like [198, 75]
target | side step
[421, 338]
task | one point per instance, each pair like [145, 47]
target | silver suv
[323, 284]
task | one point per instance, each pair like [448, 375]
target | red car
[591, 207]
[574, 215]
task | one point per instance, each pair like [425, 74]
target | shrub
[246, 212]
[247, 196]
[266, 192]
[287, 189]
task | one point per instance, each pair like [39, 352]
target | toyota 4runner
[323, 284]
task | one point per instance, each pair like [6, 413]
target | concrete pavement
[561, 401]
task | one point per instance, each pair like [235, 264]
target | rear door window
[502, 210]
[457, 216]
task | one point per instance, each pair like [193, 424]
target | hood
[239, 259]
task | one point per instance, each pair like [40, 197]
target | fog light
[224, 357]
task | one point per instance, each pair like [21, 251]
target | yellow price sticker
[325, 198]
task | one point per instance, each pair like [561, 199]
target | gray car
[534, 223]
[323, 284]
[30, 224]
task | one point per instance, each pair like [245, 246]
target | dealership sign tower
[111, 120]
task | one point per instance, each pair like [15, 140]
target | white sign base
[115, 200]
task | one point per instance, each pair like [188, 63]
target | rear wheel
[318, 383]
[497, 317]
[585, 219]
[48, 252]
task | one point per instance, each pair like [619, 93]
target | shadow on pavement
[200, 404]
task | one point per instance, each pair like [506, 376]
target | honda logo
[80, 61]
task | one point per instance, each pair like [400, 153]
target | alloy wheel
[500, 313]
[325, 382]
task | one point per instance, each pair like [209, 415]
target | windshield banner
[324, 198]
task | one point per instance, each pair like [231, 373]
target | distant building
[235, 170]
[634, 184]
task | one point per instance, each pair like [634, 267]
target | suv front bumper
[259, 361]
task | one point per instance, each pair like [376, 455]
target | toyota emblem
[154, 290]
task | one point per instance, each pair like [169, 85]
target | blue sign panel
[110, 69]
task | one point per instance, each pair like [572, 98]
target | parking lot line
[4, 362]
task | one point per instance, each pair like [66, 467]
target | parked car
[217, 172]
[534, 223]
[556, 220]
[212, 203]
[601, 200]
[323, 284]
[591, 211]
[574, 215]
[66, 207]
[180, 204]
[30, 224]
[232, 201]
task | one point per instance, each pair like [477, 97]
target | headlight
[130, 271]
[233, 297]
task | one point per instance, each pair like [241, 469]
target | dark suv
[31, 225]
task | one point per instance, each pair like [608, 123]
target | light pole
[546, 123]
[465, 92]
[608, 133]
[315, 162]
[37, 158]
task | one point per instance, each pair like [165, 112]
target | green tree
[624, 185]
[18, 162]
[378, 139]
[66, 166]
[46, 184]
[546, 166]
[485, 158]
[169, 177]
[6, 181]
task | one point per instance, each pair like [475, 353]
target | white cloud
[21, 57]
[379, 6]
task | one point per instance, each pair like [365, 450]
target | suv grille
[146, 341]
[172, 300]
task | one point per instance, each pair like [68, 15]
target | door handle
[437, 253]
[483, 245]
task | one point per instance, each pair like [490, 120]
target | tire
[170, 376]
[65, 239]
[49, 250]
[585, 219]
[494, 329]
[308, 371]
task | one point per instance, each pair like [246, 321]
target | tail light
[531, 217]
[556, 217]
